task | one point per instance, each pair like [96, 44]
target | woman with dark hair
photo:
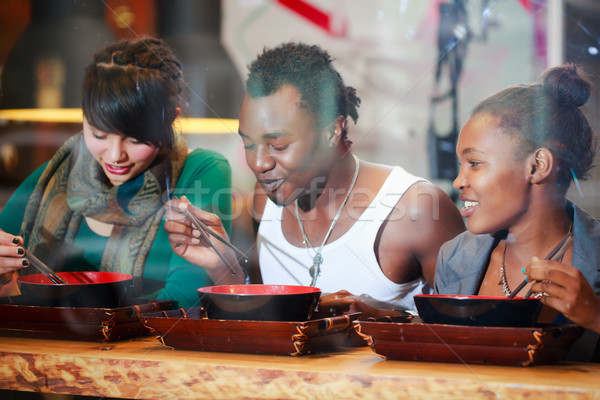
[519, 152]
[98, 203]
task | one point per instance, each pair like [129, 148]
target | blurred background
[418, 65]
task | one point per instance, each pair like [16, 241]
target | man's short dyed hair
[310, 70]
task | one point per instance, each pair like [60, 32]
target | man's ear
[541, 165]
[336, 130]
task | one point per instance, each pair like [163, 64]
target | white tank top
[349, 263]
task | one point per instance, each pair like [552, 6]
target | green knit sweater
[205, 180]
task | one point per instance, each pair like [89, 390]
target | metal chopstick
[557, 253]
[200, 226]
[44, 269]
[209, 231]
[518, 289]
[212, 233]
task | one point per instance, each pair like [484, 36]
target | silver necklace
[505, 288]
[315, 269]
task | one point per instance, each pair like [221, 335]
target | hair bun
[567, 85]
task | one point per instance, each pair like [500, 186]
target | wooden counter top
[144, 368]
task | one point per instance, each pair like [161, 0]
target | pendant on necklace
[315, 269]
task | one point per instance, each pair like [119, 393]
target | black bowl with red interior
[82, 289]
[259, 302]
[478, 310]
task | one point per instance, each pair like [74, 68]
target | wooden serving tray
[78, 323]
[468, 344]
[187, 330]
